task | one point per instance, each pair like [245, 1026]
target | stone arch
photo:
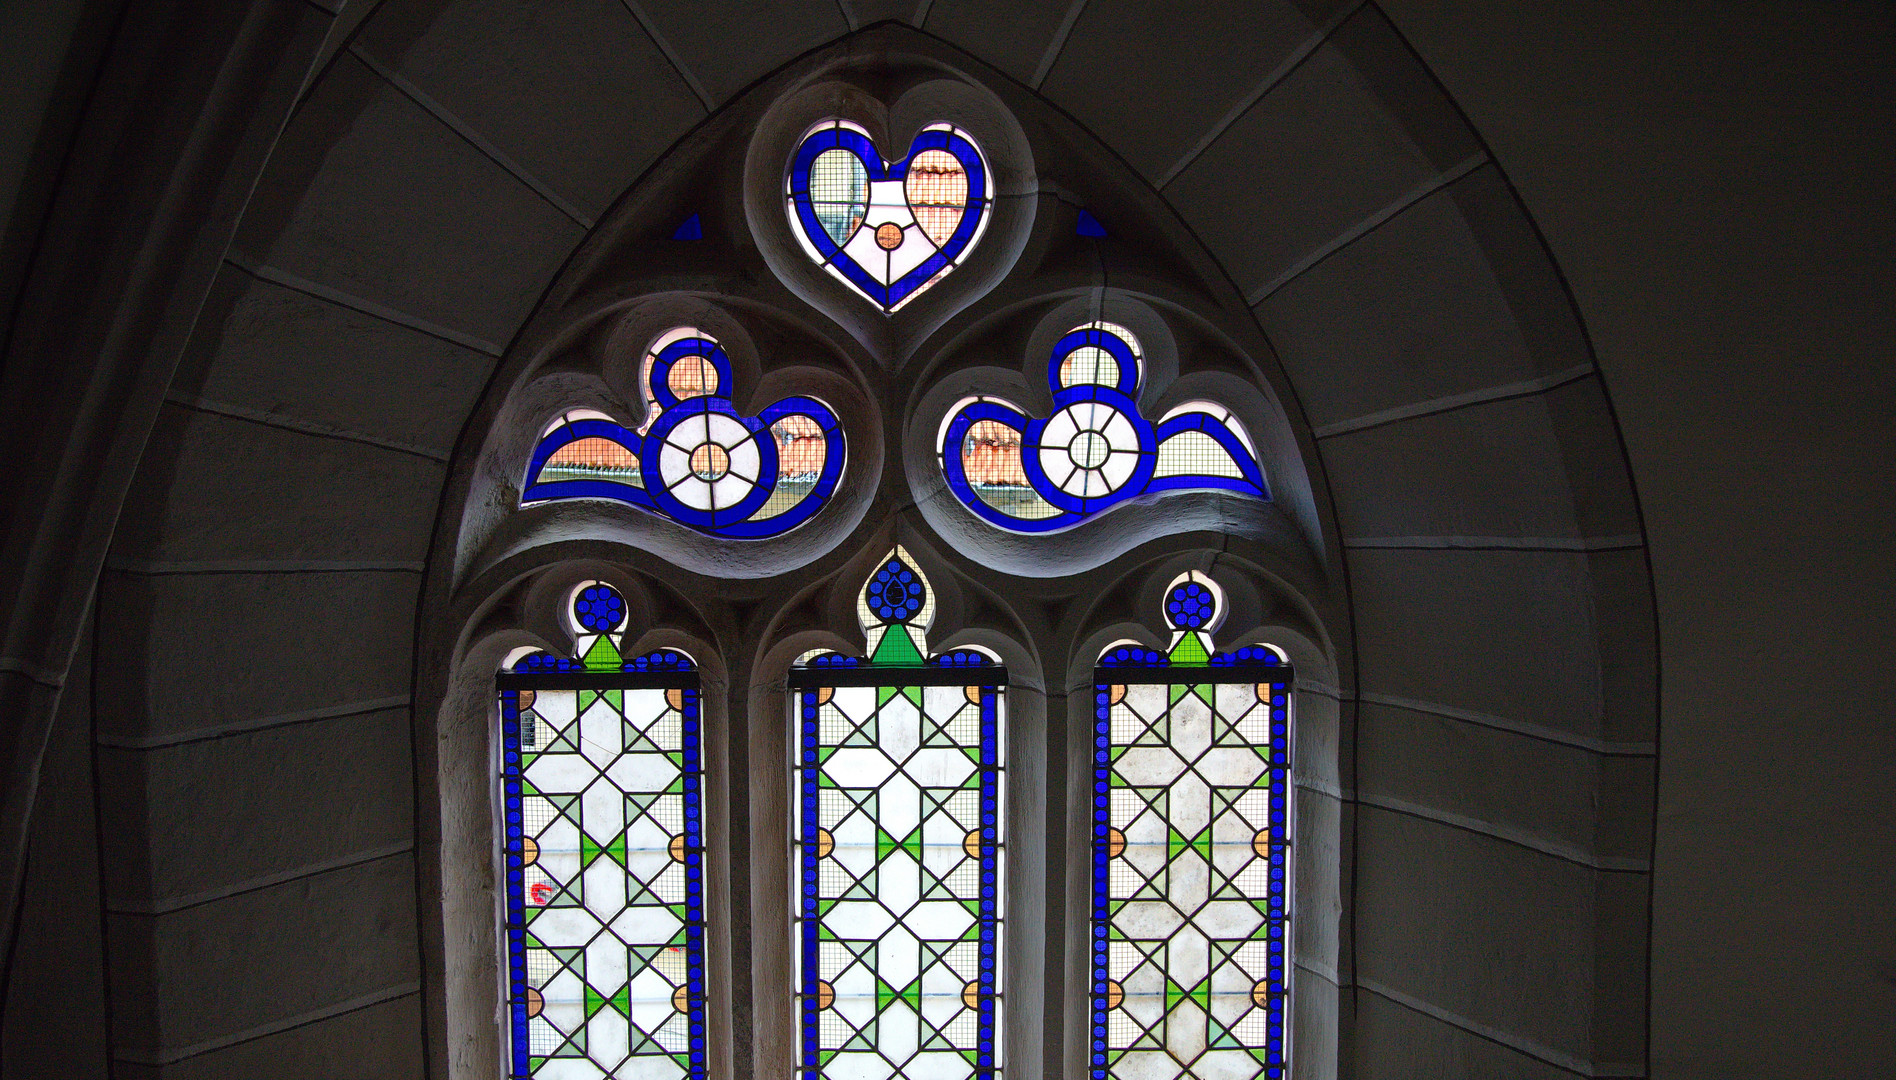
[1466, 483]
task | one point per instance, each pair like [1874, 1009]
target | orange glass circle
[888, 236]
[710, 462]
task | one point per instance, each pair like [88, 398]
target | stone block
[380, 1042]
[1492, 932]
[1013, 36]
[1496, 469]
[576, 93]
[1123, 71]
[730, 45]
[187, 653]
[1318, 154]
[1528, 788]
[297, 359]
[1453, 294]
[228, 811]
[265, 957]
[1393, 1041]
[370, 194]
[1507, 634]
[215, 488]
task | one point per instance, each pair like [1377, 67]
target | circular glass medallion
[888, 236]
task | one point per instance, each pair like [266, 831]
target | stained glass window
[887, 229]
[1095, 451]
[695, 459]
[602, 781]
[1190, 854]
[899, 838]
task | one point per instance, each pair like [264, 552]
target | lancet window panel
[602, 788]
[1190, 856]
[898, 843]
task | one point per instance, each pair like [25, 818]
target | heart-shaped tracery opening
[888, 229]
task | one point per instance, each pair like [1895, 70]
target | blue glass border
[732, 522]
[692, 773]
[1122, 396]
[836, 137]
[1277, 923]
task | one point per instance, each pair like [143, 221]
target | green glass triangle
[1174, 993]
[1202, 843]
[683, 1061]
[678, 910]
[588, 850]
[1175, 843]
[1190, 649]
[676, 787]
[913, 844]
[622, 1001]
[885, 844]
[616, 849]
[527, 787]
[883, 694]
[594, 1002]
[603, 656]
[677, 757]
[914, 694]
[897, 647]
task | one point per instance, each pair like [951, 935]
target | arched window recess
[1190, 853]
[603, 840]
[898, 842]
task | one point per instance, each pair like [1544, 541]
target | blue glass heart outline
[833, 136]
[1121, 396]
[731, 522]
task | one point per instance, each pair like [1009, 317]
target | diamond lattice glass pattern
[605, 868]
[899, 843]
[1190, 846]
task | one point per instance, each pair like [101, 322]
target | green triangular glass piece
[897, 647]
[616, 849]
[678, 910]
[883, 694]
[622, 1001]
[1190, 649]
[603, 656]
[588, 850]
[594, 1001]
